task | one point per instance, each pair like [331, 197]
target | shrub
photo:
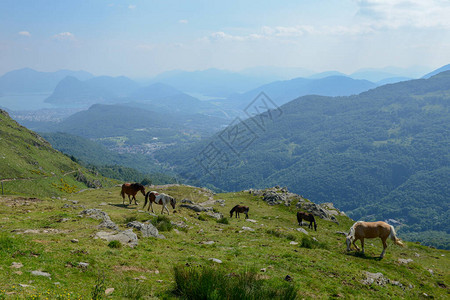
[209, 282]
[203, 218]
[308, 242]
[99, 289]
[162, 223]
[133, 289]
[223, 220]
[114, 244]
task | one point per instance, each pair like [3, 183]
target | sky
[142, 38]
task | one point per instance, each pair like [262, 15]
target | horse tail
[393, 237]
[122, 193]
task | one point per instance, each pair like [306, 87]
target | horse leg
[362, 246]
[168, 212]
[384, 247]
[356, 247]
[151, 205]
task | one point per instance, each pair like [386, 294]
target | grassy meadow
[39, 234]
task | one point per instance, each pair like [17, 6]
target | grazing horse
[369, 230]
[307, 217]
[161, 199]
[131, 189]
[239, 209]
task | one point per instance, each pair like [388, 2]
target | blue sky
[144, 38]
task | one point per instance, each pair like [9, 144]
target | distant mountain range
[30, 81]
[284, 91]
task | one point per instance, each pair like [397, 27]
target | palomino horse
[307, 217]
[369, 230]
[239, 209]
[131, 189]
[161, 199]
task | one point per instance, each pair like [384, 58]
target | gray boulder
[147, 229]
[126, 237]
[196, 208]
[98, 214]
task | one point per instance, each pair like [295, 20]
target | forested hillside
[378, 155]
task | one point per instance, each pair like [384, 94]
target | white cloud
[132, 6]
[183, 21]
[406, 13]
[25, 33]
[64, 36]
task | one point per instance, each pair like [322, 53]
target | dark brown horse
[161, 199]
[131, 189]
[307, 217]
[239, 209]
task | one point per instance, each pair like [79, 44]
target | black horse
[307, 217]
[239, 209]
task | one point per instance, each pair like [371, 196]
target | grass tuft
[162, 223]
[115, 244]
[223, 220]
[308, 242]
[210, 282]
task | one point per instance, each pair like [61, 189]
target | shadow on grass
[127, 206]
[363, 255]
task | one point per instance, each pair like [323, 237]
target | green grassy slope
[146, 271]
[30, 166]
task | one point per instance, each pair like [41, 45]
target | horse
[131, 189]
[161, 199]
[239, 209]
[307, 217]
[369, 230]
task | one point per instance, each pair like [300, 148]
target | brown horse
[307, 217]
[369, 230]
[239, 209]
[131, 189]
[161, 199]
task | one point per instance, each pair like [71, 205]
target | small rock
[302, 230]
[56, 283]
[251, 220]
[74, 201]
[416, 254]
[263, 270]
[103, 204]
[207, 242]
[159, 281]
[40, 273]
[74, 240]
[405, 261]
[293, 243]
[247, 228]
[216, 260]
[24, 285]
[16, 265]
[109, 291]
[314, 239]
[83, 265]
[431, 271]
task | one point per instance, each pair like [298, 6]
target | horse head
[173, 202]
[350, 237]
[142, 189]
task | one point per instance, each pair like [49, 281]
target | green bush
[308, 242]
[223, 220]
[133, 289]
[208, 282]
[203, 218]
[114, 244]
[162, 223]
